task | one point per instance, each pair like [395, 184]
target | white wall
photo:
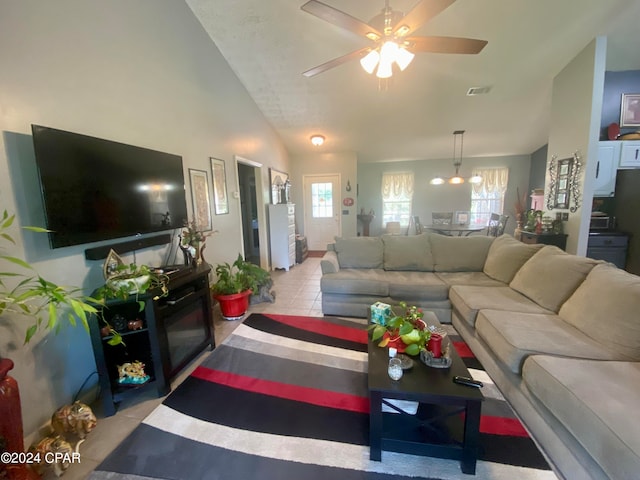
[143, 73]
[575, 127]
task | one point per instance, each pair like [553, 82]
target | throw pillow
[506, 256]
[605, 307]
[551, 276]
[359, 252]
[407, 253]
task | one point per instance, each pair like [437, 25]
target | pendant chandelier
[457, 162]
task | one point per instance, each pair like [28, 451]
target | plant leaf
[378, 332]
[17, 261]
[31, 331]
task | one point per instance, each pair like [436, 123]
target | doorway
[249, 212]
[322, 220]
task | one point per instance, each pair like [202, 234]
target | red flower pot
[234, 305]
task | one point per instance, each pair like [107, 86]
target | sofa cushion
[506, 256]
[469, 299]
[606, 306]
[416, 286]
[407, 253]
[459, 254]
[597, 402]
[468, 278]
[551, 276]
[512, 337]
[359, 252]
[356, 281]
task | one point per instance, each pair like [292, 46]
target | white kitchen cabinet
[608, 158]
[630, 156]
[282, 235]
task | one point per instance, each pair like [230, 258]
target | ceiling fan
[389, 33]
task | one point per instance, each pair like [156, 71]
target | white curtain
[397, 186]
[494, 180]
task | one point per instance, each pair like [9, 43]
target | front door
[322, 222]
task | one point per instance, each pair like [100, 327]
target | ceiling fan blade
[445, 45]
[341, 19]
[424, 11]
[335, 62]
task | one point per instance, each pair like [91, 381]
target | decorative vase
[234, 306]
[517, 233]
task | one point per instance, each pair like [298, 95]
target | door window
[322, 200]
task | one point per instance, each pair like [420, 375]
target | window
[397, 195]
[322, 200]
[487, 197]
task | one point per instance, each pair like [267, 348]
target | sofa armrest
[329, 263]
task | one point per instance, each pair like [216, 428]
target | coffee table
[447, 422]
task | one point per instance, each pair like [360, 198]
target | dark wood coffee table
[447, 422]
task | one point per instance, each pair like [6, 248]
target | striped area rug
[285, 397]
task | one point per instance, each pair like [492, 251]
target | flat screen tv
[95, 189]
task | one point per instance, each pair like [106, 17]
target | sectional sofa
[559, 334]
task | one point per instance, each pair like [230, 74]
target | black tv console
[174, 330]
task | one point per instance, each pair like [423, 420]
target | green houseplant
[127, 281]
[24, 293]
[47, 304]
[235, 283]
[406, 332]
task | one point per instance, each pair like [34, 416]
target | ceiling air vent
[478, 91]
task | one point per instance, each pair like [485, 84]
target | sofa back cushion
[551, 276]
[606, 307]
[506, 256]
[359, 252]
[407, 253]
[459, 254]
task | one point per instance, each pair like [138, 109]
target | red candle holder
[434, 345]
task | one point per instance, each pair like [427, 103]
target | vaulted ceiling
[269, 43]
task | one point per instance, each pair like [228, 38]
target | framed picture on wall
[278, 183]
[630, 110]
[220, 199]
[201, 200]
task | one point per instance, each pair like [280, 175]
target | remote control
[469, 382]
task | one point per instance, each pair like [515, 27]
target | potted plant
[407, 333]
[125, 281]
[192, 243]
[23, 292]
[235, 283]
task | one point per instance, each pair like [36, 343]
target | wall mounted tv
[95, 189]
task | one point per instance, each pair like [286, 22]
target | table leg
[375, 426]
[471, 437]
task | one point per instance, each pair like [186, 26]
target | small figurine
[132, 373]
[77, 418]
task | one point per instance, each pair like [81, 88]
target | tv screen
[95, 189]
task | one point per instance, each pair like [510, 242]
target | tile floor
[297, 293]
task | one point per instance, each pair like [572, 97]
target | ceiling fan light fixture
[384, 70]
[388, 53]
[317, 140]
[372, 36]
[437, 181]
[404, 58]
[457, 180]
[370, 61]
[402, 30]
